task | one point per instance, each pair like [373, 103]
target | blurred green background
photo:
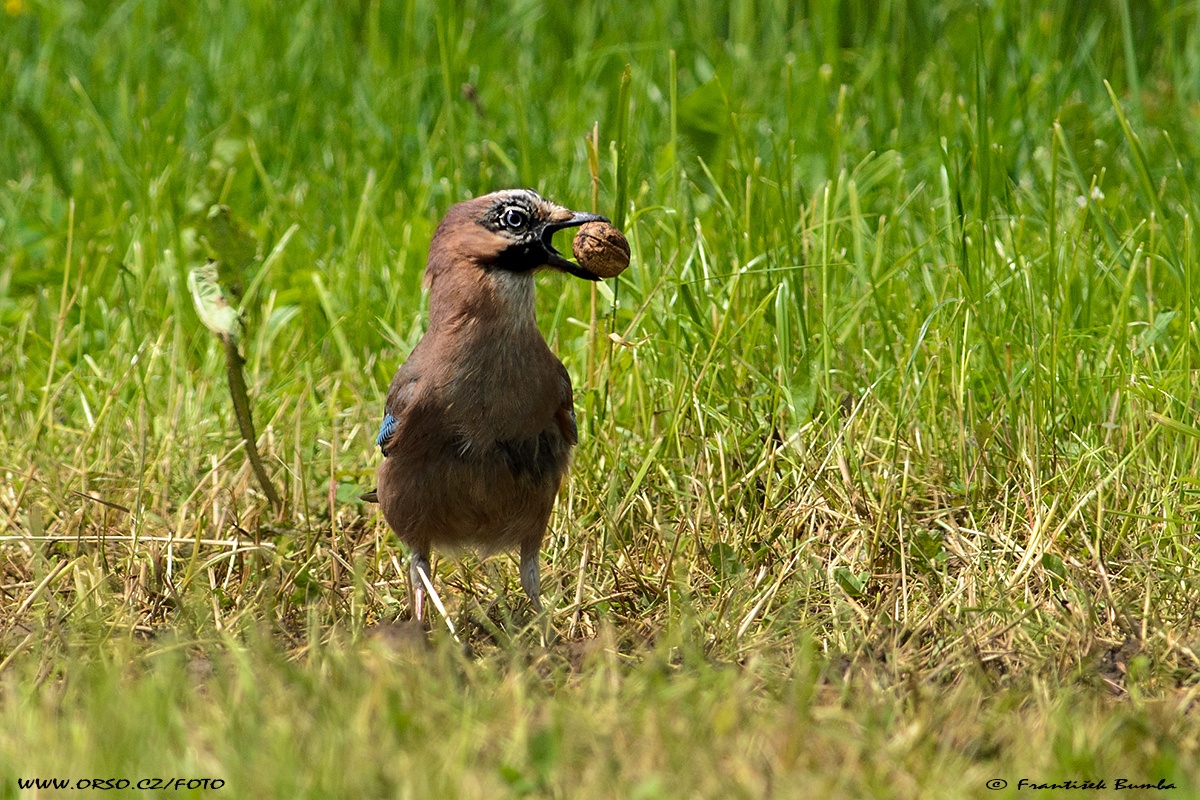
[889, 439]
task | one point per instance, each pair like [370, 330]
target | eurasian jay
[479, 424]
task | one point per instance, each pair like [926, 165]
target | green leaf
[231, 246]
[1055, 568]
[214, 310]
[851, 584]
[1156, 330]
[724, 560]
[348, 492]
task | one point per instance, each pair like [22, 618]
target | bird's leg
[418, 563]
[531, 579]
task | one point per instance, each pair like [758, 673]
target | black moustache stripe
[521, 257]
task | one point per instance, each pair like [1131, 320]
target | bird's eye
[514, 218]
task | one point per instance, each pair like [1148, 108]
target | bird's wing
[565, 415]
[386, 429]
[399, 398]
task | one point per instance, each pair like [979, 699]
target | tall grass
[887, 477]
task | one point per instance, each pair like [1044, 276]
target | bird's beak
[564, 218]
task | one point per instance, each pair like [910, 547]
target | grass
[887, 477]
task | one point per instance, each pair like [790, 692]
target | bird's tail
[370, 497]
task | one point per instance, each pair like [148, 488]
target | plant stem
[241, 406]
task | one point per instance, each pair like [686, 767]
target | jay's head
[511, 230]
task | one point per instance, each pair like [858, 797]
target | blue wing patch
[385, 432]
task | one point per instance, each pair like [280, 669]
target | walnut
[602, 249]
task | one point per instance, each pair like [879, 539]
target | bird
[479, 420]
